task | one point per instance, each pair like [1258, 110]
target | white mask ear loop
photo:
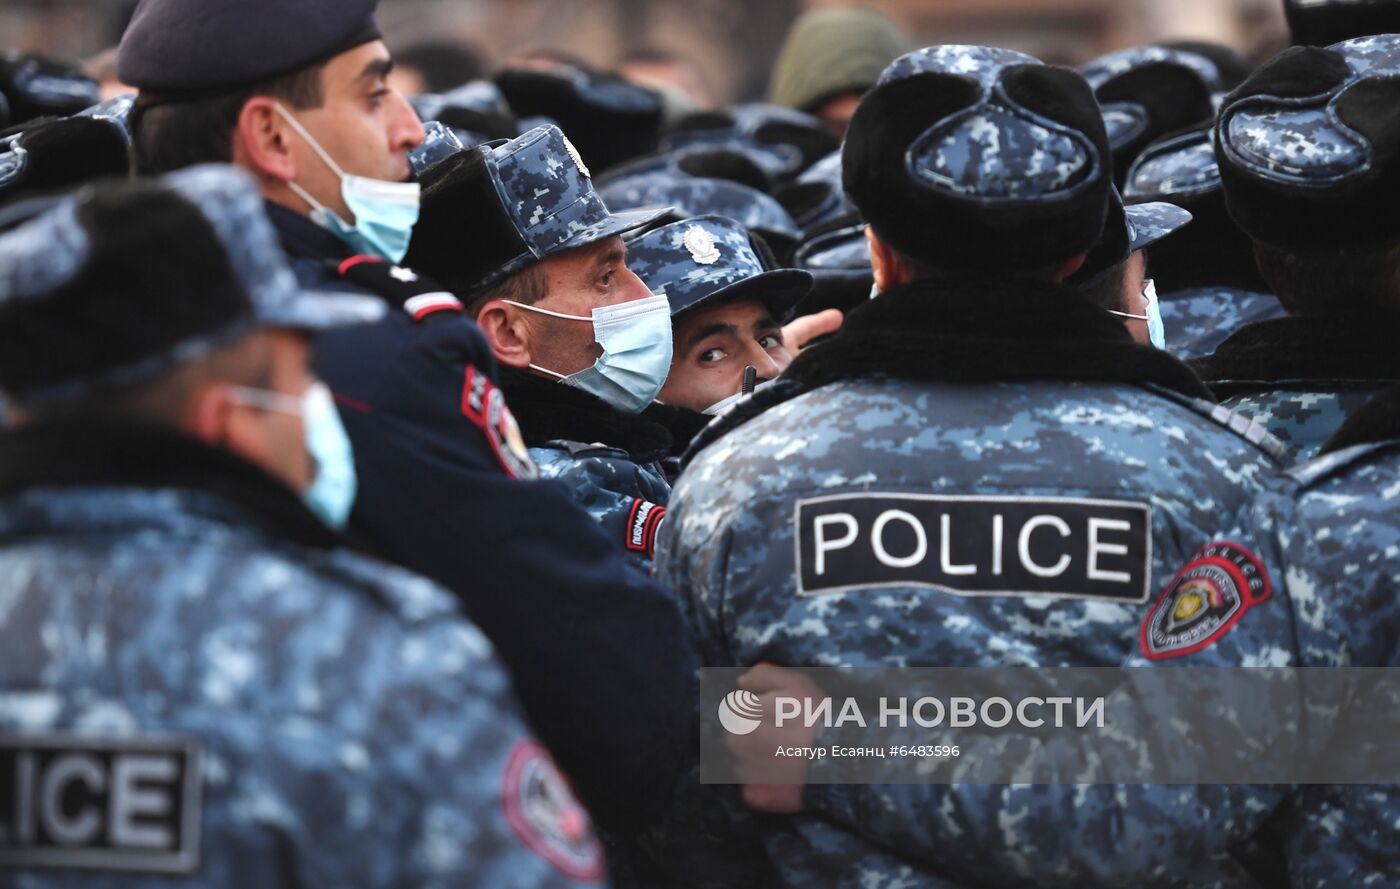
[511, 302]
[321, 153]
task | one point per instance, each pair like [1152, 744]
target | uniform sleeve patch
[1204, 600]
[643, 521]
[542, 811]
[111, 804]
[485, 406]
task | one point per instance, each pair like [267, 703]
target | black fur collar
[548, 410]
[1378, 421]
[973, 332]
[113, 453]
[1295, 348]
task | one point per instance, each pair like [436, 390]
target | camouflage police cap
[708, 259]
[119, 283]
[1150, 222]
[115, 111]
[1179, 167]
[489, 212]
[975, 157]
[832, 202]
[840, 249]
[52, 154]
[1325, 22]
[1309, 146]
[781, 141]
[475, 112]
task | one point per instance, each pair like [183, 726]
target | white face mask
[385, 212]
[1156, 330]
[636, 341]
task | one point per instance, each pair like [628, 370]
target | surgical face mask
[636, 341]
[385, 212]
[332, 492]
[1156, 331]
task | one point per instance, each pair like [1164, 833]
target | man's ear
[507, 331]
[209, 414]
[262, 140]
[889, 270]
[1071, 266]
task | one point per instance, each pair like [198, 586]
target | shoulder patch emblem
[545, 816]
[701, 245]
[643, 521]
[1204, 600]
[485, 405]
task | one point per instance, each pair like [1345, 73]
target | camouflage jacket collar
[1312, 350]
[972, 332]
[111, 455]
[548, 410]
[1378, 421]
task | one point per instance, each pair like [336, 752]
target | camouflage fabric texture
[737, 552]
[353, 730]
[1304, 419]
[628, 499]
[711, 258]
[1201, 318]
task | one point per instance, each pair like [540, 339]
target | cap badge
[578, 158]
[701, 245]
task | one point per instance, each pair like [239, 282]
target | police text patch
[975, 546]
[109, 804]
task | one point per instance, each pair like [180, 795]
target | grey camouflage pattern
[356, 730]
[1199, 319]
[699, 196]
[994, 150]
[1115, 64]
[728, 549]
[607, 483]
[1304, 419]
[743, 135]
[707, 257]
[1151, 222]
[1183, 165]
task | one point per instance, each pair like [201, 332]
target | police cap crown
[1309, 146]
[175, 47]
[973, 158]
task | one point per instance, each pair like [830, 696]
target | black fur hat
[1325, 22]
[1150, 91]
[1309, 147]
[981, 160]
[51, 155]
[609, 119]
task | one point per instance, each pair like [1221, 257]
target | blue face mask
[385, 212]
[636, 341]
[1156, 331]
[332, 492]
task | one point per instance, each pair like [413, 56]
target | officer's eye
[712, 355]
[607, 278]
[770, 341]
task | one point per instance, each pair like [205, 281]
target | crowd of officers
[371, 490]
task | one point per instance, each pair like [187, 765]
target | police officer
[728, 302]
[203, 685]
[1310, 195]
[934, 486]
[1206, 276]
[295, 93]
[520, 234]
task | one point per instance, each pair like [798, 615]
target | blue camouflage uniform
[285, 697]
[203, 685]
[1325, 539]
[860, 512]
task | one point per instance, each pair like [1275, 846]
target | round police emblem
[1204, 600]
[545, 816]
[701, 245]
